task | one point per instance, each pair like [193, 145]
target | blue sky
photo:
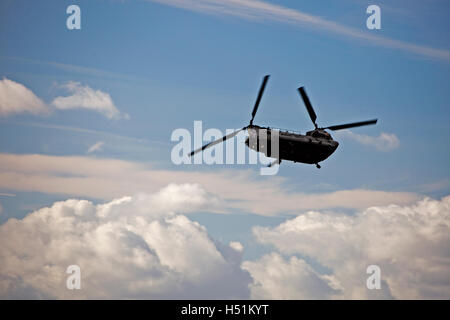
[166, 65]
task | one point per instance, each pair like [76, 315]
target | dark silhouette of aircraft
[313, 147]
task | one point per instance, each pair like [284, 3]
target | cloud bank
[15, 98]
[408, 243]
[144, 246]
[132, 247]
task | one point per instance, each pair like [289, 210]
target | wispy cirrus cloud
[384, 142]
[102, 134]
[7, 195]
[71, 68]
[263, 11]
[96, 147]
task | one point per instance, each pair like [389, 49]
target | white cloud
[97, 178]
[15, 98]
[236, 246]
[264, 11]
[277, 278]
[95, 147]
[131, 247]
[144, 246]
[408, 243]
[88, 98]
[384, 142]
[7, 194]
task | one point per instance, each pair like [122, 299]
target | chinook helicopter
[313, 147]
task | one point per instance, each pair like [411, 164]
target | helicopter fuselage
[311, 148]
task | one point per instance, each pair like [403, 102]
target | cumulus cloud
[95, 147]
[132, 247]
[408, 243]
[83, 96]
[15, 98]
[278, 278]
[384, 142]
[144, 246]
[97, 178]
[236, 246]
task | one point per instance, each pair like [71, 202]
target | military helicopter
[312, 148]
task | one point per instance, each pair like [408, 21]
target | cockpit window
[321, 134]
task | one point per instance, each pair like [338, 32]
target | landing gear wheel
[318, 166]
[278, 161]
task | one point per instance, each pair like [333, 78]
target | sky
[86, 176]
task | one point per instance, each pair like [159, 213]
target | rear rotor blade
[351, 125]
[228, 136]
[308, 105]
[258, 99]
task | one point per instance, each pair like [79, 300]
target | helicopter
[311, 148]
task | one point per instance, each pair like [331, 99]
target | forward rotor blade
[308, 105]
[258, 99]
[351, 125]
[228, 136]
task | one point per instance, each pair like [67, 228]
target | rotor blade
[308, 105]
[231, 135]
[351, 125]
[258, 99]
